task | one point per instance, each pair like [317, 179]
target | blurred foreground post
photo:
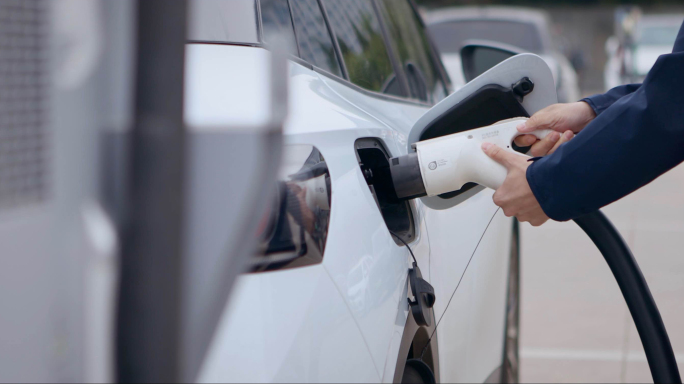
[150, 283]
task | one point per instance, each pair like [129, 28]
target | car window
[362, 45]
[314, 40]
[277, 22]
[410, 42]
[232, 21]
[450, 36]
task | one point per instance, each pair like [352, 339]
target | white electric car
[327, 295]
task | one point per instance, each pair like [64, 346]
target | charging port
[373, 159]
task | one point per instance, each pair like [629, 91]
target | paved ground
[575, 325]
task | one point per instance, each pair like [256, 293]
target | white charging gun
[446, 163]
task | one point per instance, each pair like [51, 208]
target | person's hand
[566, 119]
[515, 196]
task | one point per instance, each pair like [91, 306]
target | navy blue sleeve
[679, 43]
[639, 137]
[602, 101]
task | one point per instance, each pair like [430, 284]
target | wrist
[587, 110]
[586, 114]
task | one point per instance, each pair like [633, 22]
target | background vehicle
[524, 28]
[327, 298]
[639, 40]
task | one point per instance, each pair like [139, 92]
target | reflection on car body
[294, 232]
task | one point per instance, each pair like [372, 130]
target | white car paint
[343, 320]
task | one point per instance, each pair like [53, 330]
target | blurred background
[575, 326]
[597, 37]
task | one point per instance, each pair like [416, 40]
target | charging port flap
[517, 87]
[373, 159]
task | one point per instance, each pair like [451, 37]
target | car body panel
[358, 243]
[473, 347]
[290, 326]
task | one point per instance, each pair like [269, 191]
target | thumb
[498, 154]
[532, 124]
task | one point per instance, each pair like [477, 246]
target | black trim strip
[433, 50]
[333, 36]
[294, 30]
[394, 57]
[219, 42]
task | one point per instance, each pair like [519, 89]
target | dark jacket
[638, 135]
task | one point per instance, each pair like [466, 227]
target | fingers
[565, 137]
[525, 140]
[546, 146]
[535, 217]
[540, 120]
[546, 118]
[498, 154]
[524, 127]
[543, 146]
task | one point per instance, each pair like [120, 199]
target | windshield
[449, 36]
[659, 35]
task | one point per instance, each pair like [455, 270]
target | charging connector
[445, 164]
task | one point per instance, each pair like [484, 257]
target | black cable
[642, 306]
[649, 324]
[458, 285]
[407, 246]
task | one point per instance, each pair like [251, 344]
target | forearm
[632, 142]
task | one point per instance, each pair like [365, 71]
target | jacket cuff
[541, 193]
[598, 103]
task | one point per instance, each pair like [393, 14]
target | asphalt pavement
[575, 326]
